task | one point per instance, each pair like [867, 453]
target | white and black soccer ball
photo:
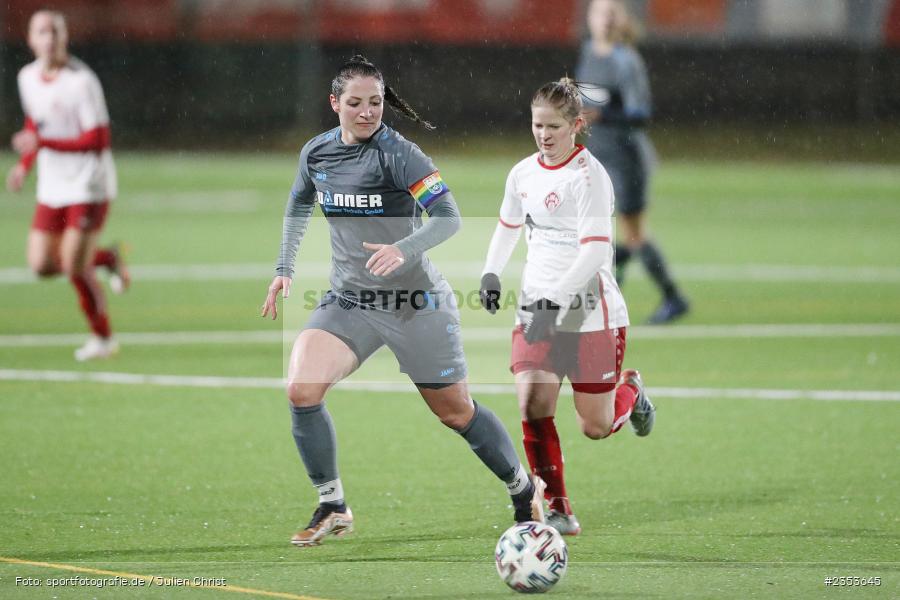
[531, 557]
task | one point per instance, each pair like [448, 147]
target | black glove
[543, 324]
[490, 292]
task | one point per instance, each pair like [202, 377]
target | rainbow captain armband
[428, 189]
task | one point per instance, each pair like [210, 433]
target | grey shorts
[424, 335]
[630, 185]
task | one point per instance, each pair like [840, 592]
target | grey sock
[491, 443]
[316, 441]
[656, 267]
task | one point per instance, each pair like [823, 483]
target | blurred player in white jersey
[67, 132]
[572, 317]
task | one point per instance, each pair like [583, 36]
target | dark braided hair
[359, 66]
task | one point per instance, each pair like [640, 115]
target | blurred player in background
[572, 316]
[67, 132]
[617, 105]
[373, 186]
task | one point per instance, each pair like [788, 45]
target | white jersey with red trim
[64, 109]
[565, 209]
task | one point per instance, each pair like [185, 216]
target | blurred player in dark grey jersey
[372, 185]
[617, 102]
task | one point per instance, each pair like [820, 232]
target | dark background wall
[256, 73]
[195, 93]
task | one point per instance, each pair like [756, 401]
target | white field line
[470, 269]
[392, 387]
[170, 338]
[473, 334]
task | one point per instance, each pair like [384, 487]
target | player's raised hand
[16, 178]
[386, 260]
[25, 141]
[489, 294]
[282, 284]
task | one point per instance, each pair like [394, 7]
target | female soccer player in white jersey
[572, 317]
[372, 186]
[618, 107]
[67, 132]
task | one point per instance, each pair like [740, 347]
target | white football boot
[96, 348]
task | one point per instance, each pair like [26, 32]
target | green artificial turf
[728, 498]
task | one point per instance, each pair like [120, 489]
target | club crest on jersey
[552, 201]
[428, 189]
[433, 183]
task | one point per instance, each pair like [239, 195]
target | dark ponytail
[402, 106]
[359, 66]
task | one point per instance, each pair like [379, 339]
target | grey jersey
[622, 96]
[364, 192]
[622, 78]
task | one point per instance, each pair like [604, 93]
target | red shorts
[591, 360]
[86, 217]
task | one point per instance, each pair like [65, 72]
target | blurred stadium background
[730, 77]
[773, 465]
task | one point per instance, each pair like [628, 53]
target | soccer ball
[531, 557]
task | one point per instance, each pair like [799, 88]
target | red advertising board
[145, 20]
[463, 22]
[515, 22]
[892, 26]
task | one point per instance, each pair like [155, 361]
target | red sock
[546, 460]
[104, 257]
[93, 304]
[626, 396]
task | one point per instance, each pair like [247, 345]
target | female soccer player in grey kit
[372, 186]
[618, 109]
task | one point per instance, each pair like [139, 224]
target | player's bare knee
[69, 267]
[532, 406]
[75, 270]
[43, 269]
[456, 416]
[41, 264]
[304, 394]
[595, 431]
[456, 420]
[523, 407]
[531, 412]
